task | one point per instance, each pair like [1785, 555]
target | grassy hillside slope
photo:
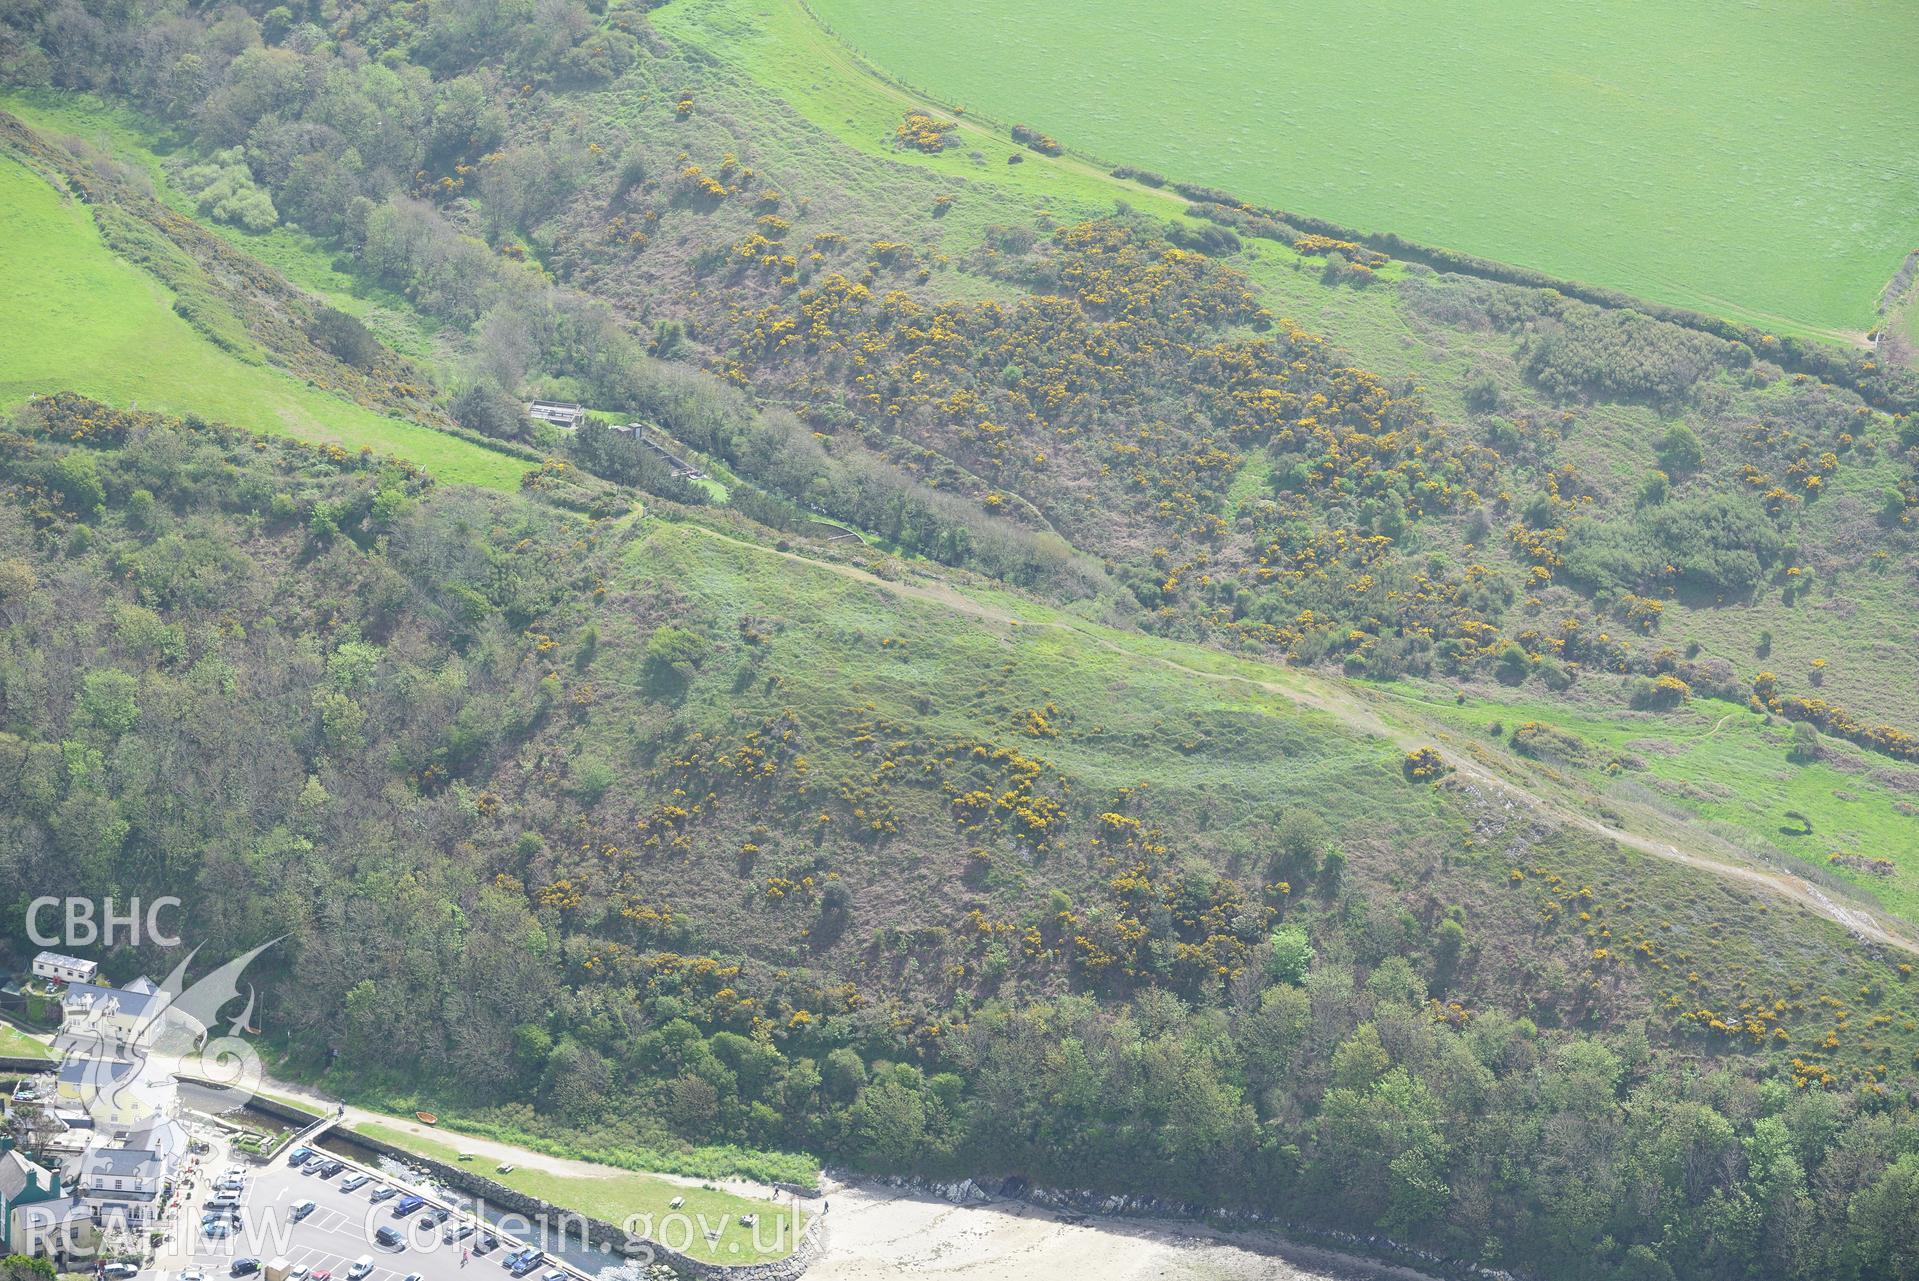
[1564, 136]
[1589, 453]
[648, 834]
[73, 316]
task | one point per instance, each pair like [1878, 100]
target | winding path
[1322, 695]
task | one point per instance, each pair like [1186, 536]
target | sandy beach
[878, 1233]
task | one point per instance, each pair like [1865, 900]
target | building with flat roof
[61, 968]
[561, 413]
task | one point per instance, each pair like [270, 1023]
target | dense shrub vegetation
[431, 663]
[595, 856]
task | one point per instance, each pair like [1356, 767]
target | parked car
[298, 1273]
[301, 1209]
[407, 1205]
[299, 1156]
[244, 1266]
[531, 1260]
[512, 1260]
[322, 1274]
[557, 1274]
[486, 1244]
[330, 1168]
[456, 1232]
[361, 1267]
[380, 1193]
[436, 1216]
[355, 1183]
[213, 1229]
[389, 1238]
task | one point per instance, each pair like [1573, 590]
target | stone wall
[21, 1063]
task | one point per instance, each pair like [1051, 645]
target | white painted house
[114, 1016]
[123, 1184]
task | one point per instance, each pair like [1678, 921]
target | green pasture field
[1739, 158]
[791, 65]
[73, 316]
[132, 138]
